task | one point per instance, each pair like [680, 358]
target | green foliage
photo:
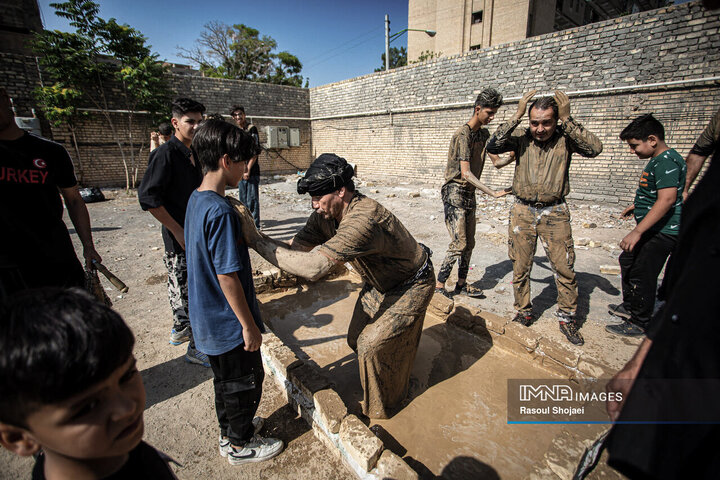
[239, 52]
[398, 58]
[427, 55]
[99, 53]
[59, 103]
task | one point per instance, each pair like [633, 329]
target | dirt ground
[180, 415]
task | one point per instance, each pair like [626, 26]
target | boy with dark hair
[70, 389]
[466, 159]
[657, 208]
[224, 311]
[171, 176]
[249, 185]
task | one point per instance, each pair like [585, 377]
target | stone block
[440, 305]
[521, 334]
[392, 467]
[308, 380]
[562, 353]
[279, 356]
[360, 443]
[509, 345]
[330, 408]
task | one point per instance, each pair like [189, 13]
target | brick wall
[670, 44]
[100, 162]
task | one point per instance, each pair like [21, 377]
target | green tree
[239, 52]
[60, 105]
[99, 55]
[398, 58]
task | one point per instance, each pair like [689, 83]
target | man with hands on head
[541, 182]
[398, 275]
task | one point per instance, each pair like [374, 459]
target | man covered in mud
[347, 226]
[466, 159]
[541, 182]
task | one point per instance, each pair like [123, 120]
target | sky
[334, 40]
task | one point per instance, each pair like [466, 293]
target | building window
[477, 17]
[475, 47]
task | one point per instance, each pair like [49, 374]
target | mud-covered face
[330, 206]
[542, 124]
[485, 114]
[239, 117]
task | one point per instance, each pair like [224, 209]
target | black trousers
[238, 387]
[640, 270]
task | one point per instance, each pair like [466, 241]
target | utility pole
[387, 42]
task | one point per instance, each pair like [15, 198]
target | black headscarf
[327, 174]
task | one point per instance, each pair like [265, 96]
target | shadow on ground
[169, 379]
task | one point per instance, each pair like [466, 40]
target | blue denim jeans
[249, 195]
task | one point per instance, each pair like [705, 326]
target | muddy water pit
[454, 424]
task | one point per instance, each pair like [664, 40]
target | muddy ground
[180, 415]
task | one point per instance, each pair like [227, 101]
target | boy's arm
[499, 162]
[666, 199]
[467, 174]
[233, 291]
[162, 216]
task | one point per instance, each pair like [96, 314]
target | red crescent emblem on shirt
[40, 163]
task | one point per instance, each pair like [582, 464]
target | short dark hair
[182, 106]
[54, 344]
[165, 129]
[235, 108]
[642, 127]
[214, 138]
[543, 103]
[489, 98]
[214, 116]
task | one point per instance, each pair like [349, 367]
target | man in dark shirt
[249, 186]
[35, 246]
[170, 178]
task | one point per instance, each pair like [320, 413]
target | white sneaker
[224, 444]
[257, 449]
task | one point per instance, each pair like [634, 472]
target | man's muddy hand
[522, 104]
[249, 231]
[563, 103]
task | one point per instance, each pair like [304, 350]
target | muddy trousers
[640, 270]
[552, 225]
[178, 289]
[385, 333]
[460, 222]
[237, 378]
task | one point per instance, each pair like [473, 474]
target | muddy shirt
[466, 146]
[667, 170]
[709, 140]
[371, 238]
[542, 169]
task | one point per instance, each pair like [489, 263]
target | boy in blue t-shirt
[657, 208]
[224, 313]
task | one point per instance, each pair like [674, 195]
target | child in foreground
[71, 391]
[657, 209]
[224, 313]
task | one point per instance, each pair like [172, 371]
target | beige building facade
[464, 25]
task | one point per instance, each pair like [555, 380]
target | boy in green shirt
[657, 208]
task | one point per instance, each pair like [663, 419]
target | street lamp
[389, 38]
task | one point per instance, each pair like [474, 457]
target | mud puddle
[454, 424]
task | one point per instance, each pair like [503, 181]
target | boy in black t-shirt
[71, 390]
[171, 176]
[35, 246]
